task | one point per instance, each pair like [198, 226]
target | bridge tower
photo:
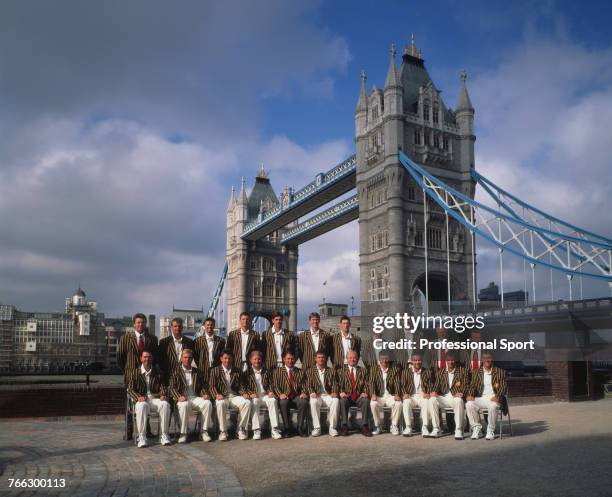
[262, 274]
[409, 114]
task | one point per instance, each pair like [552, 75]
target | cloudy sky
[123, 126]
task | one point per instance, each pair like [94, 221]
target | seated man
[256, 383]
[451, 387]
[323, 389]
[288, 384]
[190, 392]
[353, 391]
[227, 389]
[146, 388]
[416, 388]
[385, 391]
[487, 389]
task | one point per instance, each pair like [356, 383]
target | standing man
[146, 387]
[472, 358]
[171, 348]
[488, 390]
[190, 391]
[451, 388]
[416, 388]
[323, 388]
[208, 348]
[276, 341]
[242, 342]
[437, 357]
[227, 388]
[133, 343]
[353, 391]
[386, 391]
[288, 385]
[312, 341]
[343, 343]
[257, 385]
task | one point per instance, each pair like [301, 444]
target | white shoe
[407, 431]
[476, 432]
[425, 432]
[223, 436]
[394, 430]
[276, 435]
[182, 439]
[206, 437]
[316, 432]
[377, 431]
[242, 434]
[257, 435]
[333, 432]
[164, 439]
[142, 441]
[490, 434]
[458, 435]
[435, 433]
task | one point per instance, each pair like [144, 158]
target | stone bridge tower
[409, 114]
[262, 274]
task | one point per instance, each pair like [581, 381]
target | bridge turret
[393, 92]
[361, 112]
[464, 115]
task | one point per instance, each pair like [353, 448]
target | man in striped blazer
[208, 348]
[436, 357]
[312, 341]
[289, 386]
[472, 359]
[257, 385]
[133, 343]
[416, 389]
[228, 390]
[190, 391]
[171, 347]
[385, 391]
[323, 388]
[147, 388]
[343, 342]
[242, 342]
[451, 388]
[353, 391]
[488, 389]
[276, 341]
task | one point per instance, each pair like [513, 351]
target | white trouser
[473, 406]
[447, 401]
[380, 403]
[270, 403]
[416, 400]
[315, 410]
[243, 406]
[194, 404]
[142, 412]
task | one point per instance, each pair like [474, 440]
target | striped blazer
[288, 344]
[338, 351]
[361, 380]
[498, 381]
[313, 384]
[279, 381]
[249, 383]
[128, 357]
[377, 385]
[178, 383]
[407, 380]
[168, 361]
[234, 343]
[137, 383]
[306, 345]
[200, 352]
[461, 381]
[218, 385]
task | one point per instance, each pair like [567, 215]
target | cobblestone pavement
[95, 461]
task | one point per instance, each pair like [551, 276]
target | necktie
[475, 360]
[292, 392]
[443, 359]
[353, 391]
[140, 344]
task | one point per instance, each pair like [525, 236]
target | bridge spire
[392, 78]
[232, 200]
[464, 102]
[362, 103]
[242, 196]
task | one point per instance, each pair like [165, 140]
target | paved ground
[557, 450]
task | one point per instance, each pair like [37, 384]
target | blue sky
[122, 133]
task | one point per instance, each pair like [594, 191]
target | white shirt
[322, 380]
[278, 344]
[147, 375]
[346, 345]
[451, 377]
[416, 377]
[228, 379]
[385, 372]
[259, 381]
[190, 392]
[244, 341]
[315, 338]
[487, 391]
[138, 337]
[210, 343]
[178, 347]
